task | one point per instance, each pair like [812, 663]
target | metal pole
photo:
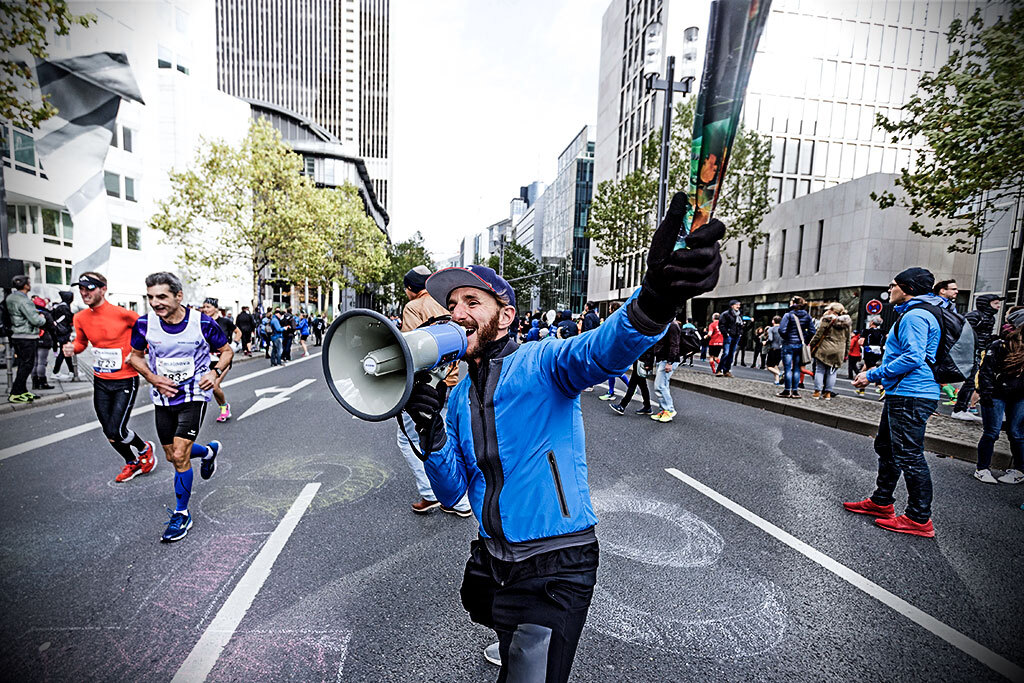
[501, 255]
[666, 138]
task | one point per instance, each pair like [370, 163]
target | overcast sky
[485, 95]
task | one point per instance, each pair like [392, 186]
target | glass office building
[565, 247]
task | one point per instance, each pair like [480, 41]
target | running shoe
[657, 416]
[646, 410]
[869, 507]
[667, 415]
[208, 464]
[905, 525]
[1012, 477]
[457, 512]
[606, 397]
[225, 413]
[965, 415]
[617, 408]
[147, 458]
[492, 653]
[177, 526]
[129, 472]
[19, 398]
[31, 396]
[985, 476]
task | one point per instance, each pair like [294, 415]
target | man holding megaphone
[513, 440]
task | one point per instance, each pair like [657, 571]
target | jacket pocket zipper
[558, 484]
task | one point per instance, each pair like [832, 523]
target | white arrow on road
[279, 397]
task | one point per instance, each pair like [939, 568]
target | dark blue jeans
[729, 344]
[900, 448]
[791, 366]
[992, 414]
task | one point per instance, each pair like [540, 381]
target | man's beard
[484, 336]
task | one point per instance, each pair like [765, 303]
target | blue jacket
[904, 370]
[275, 325]
[788, 327]
[534, 333]
[516, 444]
[302, 325]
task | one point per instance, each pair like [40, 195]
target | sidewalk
[68, 390]
[944, 436]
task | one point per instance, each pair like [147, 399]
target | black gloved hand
[424, 407]
[675, 276]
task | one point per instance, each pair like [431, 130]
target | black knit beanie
[915, 281]
[416, 279]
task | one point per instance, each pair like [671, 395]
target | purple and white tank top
[184, 357]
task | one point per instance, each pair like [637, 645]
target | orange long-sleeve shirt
[107, 326]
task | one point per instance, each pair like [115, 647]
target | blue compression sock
[183, 488]
[199, 451]
[611, 386]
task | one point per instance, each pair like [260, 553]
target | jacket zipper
[490, 502]
[558, 484]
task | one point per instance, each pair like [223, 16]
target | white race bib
[106, 360]
[180, 370]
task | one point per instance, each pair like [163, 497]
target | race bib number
[179, 370]
[106, 360]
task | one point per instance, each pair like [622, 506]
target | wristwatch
[218, 371]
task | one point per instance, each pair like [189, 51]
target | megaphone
[370, 365]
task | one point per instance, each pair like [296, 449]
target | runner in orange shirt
[115, 383]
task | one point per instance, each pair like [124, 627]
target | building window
[24, 150]
[309, 165]
[739, 255]
[767, 245]
[129, 189]
[181, 65]
[115, 235]
[69, 227]
[50, 220]
[113, 183]
[799, 249]
[5, 143]
[782, 255]
[817, 257]
[750, 265]
[126, 139]
[54, 276]
[163, 57]
[134, 238]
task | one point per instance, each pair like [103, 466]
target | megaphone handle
[422, 455]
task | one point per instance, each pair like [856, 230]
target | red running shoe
[868, 507]
[905, 525]
[147, 458]
[129, 472]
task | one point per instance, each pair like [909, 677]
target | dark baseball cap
[442, 283]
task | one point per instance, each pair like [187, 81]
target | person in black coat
[982, 320]
[730, 324]
[1001, 392]
[591, 320]
[62, 315]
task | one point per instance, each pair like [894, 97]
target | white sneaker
[985, 476]
[965, 416]
[492, 654]
[1012, 477]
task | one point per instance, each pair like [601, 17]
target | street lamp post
[652, 68]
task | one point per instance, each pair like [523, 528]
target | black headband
[90, 283]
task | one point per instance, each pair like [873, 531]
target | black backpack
[954, 360]
[689, 341]
[6, 324]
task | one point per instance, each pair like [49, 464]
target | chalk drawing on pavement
[681, 599]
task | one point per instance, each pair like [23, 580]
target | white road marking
[958, 640]
[204, 655]
[280, 396]
[42, 441]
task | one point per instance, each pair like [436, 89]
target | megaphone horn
[370, 365]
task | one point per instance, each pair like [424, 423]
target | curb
[935, 444]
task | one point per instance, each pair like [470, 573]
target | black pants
[636, 380]
[25, 358]
[963, 397]
[246, 340]
[286, 352]
[537, 607]
[61, 358]
[113, 400]
[851, 368]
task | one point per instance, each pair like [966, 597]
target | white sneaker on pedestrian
[985, 476]
[965, 416]
[1012, 477]
[492, 654]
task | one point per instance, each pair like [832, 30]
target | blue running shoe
[177, 526]
[209, 465]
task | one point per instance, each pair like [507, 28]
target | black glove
[424, 407]
[675, 276]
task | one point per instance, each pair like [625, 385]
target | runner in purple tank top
[178, 367]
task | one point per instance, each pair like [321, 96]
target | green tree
[969, 113]
[401, 257]
[622, 214]
[523, 272]
[24, 25]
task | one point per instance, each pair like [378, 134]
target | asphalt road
[363, 590]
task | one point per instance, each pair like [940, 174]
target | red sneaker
[148, 458]
[868, 507]
[905, 525]
[129, 472]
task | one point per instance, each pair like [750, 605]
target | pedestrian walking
[532, 571]
[178, 367]
[211, 309]
[796, 327]
[275, 335]
[419, 310]
[666, 355]
[829, 348]
[873, 345]
[982, 320]
[46, 344]
[591, 319]
[287, 335]
[1001, 396]
[302, 329]
[759, 339]
[911, 396]
[115, 383]
[730, 323]
[715, 341]
[246, 324]
[643, 367]
[62, 324]
[853, 356]
[773, 357]
[319, 327]
[26, 322]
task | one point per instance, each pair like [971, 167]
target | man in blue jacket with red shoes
[514, 441]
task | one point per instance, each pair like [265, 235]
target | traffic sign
[874, 307]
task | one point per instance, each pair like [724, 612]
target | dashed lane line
[42, 441]
[958, 640]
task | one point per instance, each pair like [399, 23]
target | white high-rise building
[823, 70]
[325, 60]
